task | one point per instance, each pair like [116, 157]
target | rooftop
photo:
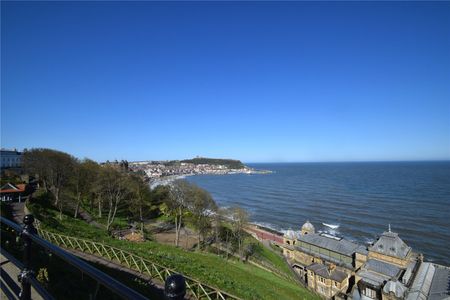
[341, 246]
[324, 272]
[391, 244]
[440, 287]
[382, 267]
[422, 282]
[372, 278]
[11, 188]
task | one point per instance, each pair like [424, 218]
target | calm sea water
[361, 198]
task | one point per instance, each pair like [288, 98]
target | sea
[357, 201]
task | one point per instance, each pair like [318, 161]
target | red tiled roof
[20, 189]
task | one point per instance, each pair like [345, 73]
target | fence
[129, 260]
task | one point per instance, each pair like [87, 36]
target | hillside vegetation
[109, 203]
[235, 277]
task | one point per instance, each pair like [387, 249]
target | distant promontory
[194, 166]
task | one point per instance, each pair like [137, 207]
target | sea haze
[362, 199]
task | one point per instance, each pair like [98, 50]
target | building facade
[10, 159]
[336, 268]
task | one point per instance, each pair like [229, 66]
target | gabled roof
[11, 188]
[323, 271]
[390, 244]
[422, 282]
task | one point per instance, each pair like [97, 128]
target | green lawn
[240, 279]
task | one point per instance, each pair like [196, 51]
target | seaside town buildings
[387, 270]
[155, 170]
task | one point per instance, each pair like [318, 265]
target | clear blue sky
[256, 81]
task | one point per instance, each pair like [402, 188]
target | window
[335, 283]
[321, 279]
[370, 293]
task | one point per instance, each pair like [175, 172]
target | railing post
[175, 287]
[24, 276]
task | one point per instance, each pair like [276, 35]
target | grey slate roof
[440, 287]
[372, 278]
[322, 270]
[341, 246]
[390, 244]
[382, 267]
[409, 272]
[394, 287]
[422, 282]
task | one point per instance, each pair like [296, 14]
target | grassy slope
[243, 280]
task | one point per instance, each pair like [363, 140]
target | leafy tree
[83, 181]
[140, 199]
[202, 207]
[54, 168]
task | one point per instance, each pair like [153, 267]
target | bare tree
[239, 219]
[114, 189]
[177, 204]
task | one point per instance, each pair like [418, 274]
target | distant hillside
[230, 163]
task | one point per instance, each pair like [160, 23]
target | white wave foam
[332, 226]
[369, 241]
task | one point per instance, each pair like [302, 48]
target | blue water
[362, 198]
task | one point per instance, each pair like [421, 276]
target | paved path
[17, 211]
[9, 273]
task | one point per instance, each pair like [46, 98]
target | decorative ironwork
[29, 237]
[134, 262]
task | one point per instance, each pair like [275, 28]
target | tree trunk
[112, 216]
[60, 211]
[56, 194]
[77, 208]
[179, 229]
[239, 246]
[178, 226]
[199, 234]
[142, 220]
[176, 231]
[99, 208]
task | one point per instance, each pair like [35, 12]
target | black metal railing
[175, 287]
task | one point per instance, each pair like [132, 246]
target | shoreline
[166, 180]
